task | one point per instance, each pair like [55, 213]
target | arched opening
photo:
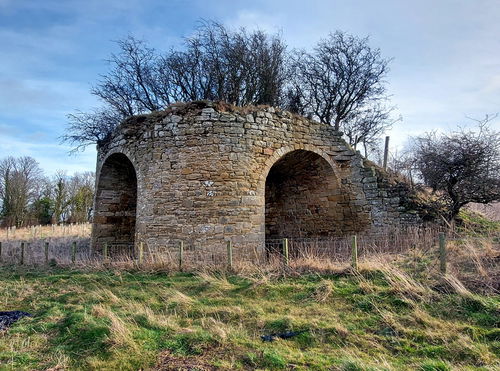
[303, 198]
[115, 205]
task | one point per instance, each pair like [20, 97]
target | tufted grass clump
[376, 319]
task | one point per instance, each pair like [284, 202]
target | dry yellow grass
[60, 239]
[45, 231]
[409, 257]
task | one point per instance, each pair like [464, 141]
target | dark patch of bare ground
[170, 362]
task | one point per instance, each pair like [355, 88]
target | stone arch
[118, 151]
[302, 196]
[115, 204]
[278, 154]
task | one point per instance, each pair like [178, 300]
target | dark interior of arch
[303, 198]
[116, 203]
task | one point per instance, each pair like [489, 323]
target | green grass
[476, 224]
[126, 320]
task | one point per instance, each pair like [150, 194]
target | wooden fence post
[230, 254]
[22, 253]
[354, 252]
[442, 253]
[73, 252]
[181, 253]
[141, 252]
[46, 247]
[105, 251]
[285, 251]
[386, 152]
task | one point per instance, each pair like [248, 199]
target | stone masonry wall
[304, 199]
[115, 213]
[205, 175]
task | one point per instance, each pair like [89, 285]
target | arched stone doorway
[116, 205]
[302, 197]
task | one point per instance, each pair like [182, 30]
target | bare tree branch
[340, 81]
[463, 166]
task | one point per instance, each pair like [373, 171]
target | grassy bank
[379, 319]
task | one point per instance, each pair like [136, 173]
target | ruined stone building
[204, 173]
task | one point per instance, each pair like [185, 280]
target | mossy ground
[132, 320]
[476, 224]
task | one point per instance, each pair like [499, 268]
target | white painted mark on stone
[205, 229]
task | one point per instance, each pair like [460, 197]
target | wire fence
[63, 249]
[340, 248]
[420, 251]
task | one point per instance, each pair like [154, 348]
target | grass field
[396, 313]
[58, 237]
[378, 319]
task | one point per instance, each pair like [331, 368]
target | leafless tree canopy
[28, 197]
[341, 79]
[85, 128]
[18, 186]
[71, 197]
[339, 83]
[240, 68]
[367, 126]
[463, 166]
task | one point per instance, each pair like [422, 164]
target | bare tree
[132, 86]
[60, 196]
[265, 70]
[341, 81]
[41, 206]
[27, 197]
[18, 185]
[80, 196]
[239, 67]
[95, 127]
[367, 126]
[463, 166]
[404, 163]
[6, 172]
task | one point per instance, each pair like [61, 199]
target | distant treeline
[29, 197]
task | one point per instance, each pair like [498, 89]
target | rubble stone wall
[204, 175]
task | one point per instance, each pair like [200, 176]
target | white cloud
[255, 20]
[50, 156]
[32, 93]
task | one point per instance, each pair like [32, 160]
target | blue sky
[446, 57]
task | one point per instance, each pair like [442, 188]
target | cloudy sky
[446, 56]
